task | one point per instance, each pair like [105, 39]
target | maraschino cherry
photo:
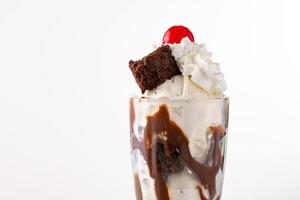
[176, 33]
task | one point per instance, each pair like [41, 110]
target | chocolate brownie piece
[155, 68]
[169, 157]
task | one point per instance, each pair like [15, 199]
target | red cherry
[176, 33]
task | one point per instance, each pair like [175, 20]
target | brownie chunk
[155, 68]
[169, 158]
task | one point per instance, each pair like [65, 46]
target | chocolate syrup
[202, 197]
[138, 188]
[131, 116]
[165, 148]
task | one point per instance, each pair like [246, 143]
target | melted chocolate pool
[165, 148]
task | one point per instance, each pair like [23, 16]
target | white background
[65, 83]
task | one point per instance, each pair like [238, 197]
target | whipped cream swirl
[196, 65]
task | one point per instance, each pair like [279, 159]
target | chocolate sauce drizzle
[138, 188]
[165, 148]
[202, 197]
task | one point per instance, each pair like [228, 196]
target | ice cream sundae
[178, 122]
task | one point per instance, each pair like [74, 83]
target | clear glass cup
[178, 147]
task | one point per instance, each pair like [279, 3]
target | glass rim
[178, 99]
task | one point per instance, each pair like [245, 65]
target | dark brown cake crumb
[155, 68]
